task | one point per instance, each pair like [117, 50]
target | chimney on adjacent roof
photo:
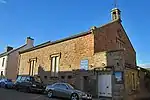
[8, 48]
[29, 41]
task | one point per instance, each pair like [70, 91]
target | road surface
[9, 94]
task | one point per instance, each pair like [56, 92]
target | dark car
[6, 83]
[65, 90]
[29, 84]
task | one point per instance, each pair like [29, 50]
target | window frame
[120, 43]
[3, 62]
[55, 70]
[32, 65]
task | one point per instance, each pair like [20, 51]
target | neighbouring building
[144, 83]
[101, 61]
[9, 59]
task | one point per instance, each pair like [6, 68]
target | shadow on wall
[79, 79]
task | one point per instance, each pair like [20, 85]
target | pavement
[9, 94]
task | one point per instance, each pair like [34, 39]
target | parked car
[6, 83]
[65, 90]
[29, 84]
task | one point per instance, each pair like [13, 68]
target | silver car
[65, 90]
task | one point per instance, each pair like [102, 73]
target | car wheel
[50, 93]
[74, 96]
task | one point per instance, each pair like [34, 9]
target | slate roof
[61, 40]
[7, 53]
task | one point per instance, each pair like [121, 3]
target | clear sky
[46, 20]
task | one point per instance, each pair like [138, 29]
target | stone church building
[88, 61]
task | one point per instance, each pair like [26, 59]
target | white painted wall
[2, 68]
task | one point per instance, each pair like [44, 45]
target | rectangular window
[3, 62]
[32, 66]
[133, 82]
[119, 44]
[54, 66]
[2, 73]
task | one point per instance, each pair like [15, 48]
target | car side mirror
[67, 88]
[28, 80]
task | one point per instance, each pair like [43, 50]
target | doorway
[105, 85]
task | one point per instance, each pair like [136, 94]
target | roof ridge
[6, 53]
[64, 39]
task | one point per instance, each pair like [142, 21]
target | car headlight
[83, 95]
[34, 85]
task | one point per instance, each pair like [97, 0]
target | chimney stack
[8, 48]
[30, 41]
